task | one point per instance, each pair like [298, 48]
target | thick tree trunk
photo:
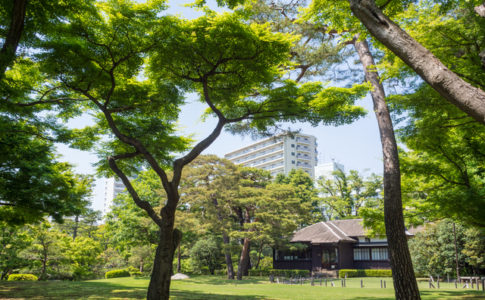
[468, 98]
[242, 268]
[227, 254]
[405, 285]
[14, 33]
[159, 287]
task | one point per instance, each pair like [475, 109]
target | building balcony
[277, 147]
[261, 165]
[268, 155]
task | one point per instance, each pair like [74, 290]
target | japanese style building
[334, 245]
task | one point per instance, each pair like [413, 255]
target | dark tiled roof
[333, 232]
[330, 232]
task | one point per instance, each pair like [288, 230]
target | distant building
[279, 154]
[326, 170]
[112, 188]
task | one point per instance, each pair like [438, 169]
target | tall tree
[306, 191]
[449, 85]
[99, 57]
[208, 185]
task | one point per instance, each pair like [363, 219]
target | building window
[361, 254]
[293, 145]
[293, 153]
[380, 254]
[293, 162]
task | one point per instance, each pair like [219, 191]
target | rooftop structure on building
[326, 170]
[112, 188]
[279, 154]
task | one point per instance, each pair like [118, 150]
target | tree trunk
[456, 254]
[260, 253]
[76, 226]
[227, 254]
[225, 240]
[244, 260]
[466, 97]
[178, 259]
[159, 287]
[12, 40]
[405, 285]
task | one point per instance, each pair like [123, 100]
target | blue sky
[356, 146]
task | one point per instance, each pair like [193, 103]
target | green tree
[83, 255]
[267, 213]
[344, 195]
[33, 184]
[474, 249]
[142, 257]
[443, 167]
[433, 249]
[305, 190]
[206, 253]
[47, 253]
[98, 58]
[13, 239]
[208, 186]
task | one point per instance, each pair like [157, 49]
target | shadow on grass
[223, 281]
[69, 290]
[178, 294]
[462, 294]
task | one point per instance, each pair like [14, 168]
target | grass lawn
[212, 287]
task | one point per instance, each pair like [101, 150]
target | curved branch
[140, 203]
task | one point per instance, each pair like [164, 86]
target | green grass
[212, 287]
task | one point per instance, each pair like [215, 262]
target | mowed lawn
[212, 287]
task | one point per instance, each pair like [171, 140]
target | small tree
[206, 253]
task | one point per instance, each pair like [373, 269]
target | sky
[356, 146]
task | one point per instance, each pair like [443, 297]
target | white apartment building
[327, 169]
[112, 188]
[279, 154]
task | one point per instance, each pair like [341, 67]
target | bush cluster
[365, 273]
[117, 273]
[22, 277]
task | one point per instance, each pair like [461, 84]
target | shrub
[136, 273]
[365, 273]
[22, 277]
[117, 273]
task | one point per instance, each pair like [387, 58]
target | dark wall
[372, 265]
[346, 256]
[292, 265]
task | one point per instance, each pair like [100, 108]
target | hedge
[289, 273]
[259, 272]
[365, 273]
[117, 273]
[22, 277]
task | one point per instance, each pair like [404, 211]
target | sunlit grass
[213, 287]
